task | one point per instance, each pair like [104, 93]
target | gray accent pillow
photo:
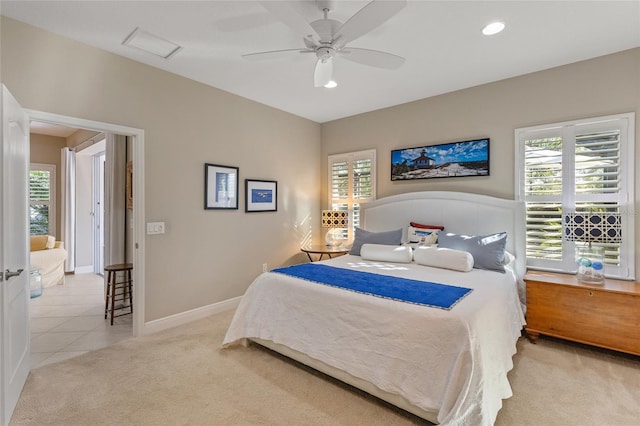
[487, 250]
[367, 237]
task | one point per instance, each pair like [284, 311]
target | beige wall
[47, 150]
[597, 87]
[205, 256]
[210, 256]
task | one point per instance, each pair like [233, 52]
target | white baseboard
[84, 269]
[189, 316]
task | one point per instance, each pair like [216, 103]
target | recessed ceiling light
[150, 43]
[331, 84]
[493, 28]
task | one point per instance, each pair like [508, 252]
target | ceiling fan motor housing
[324, 53]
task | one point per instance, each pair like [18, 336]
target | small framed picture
[220, 187]
[262, 195]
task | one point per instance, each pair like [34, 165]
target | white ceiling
[51, 129]
[441, 41]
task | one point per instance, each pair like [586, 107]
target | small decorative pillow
[487, 250]
[386, 253]
[364, 237]
[443, 258]
[420, 225]
[422, 236]
[40, 242]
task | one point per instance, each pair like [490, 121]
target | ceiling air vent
[140, 39]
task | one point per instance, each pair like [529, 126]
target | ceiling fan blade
[374, 58]
[310, 44]
[293, 19]
[366, 19]
[273, 54]
[323, 72]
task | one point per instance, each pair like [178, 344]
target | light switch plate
[154, 228]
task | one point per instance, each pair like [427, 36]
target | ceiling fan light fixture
[331, 84]
[327, 38]
[493, 28]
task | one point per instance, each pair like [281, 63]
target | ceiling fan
[327, 38]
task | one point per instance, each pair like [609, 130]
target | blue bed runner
[401, 289]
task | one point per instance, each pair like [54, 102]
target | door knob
[8, 274]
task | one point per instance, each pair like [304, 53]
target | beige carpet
[182, 377]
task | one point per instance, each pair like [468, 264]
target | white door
[14, 254]
[98, 215]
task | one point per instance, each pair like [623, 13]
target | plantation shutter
[41, 199]
[351, 183]
[582, 166]
[543, 196]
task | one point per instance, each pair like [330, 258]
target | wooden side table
[322, 250]
[605, 315]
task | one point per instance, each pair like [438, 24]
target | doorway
[137, 220]
[68, 320]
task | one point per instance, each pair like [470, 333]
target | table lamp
[603, 228]
[334, 219]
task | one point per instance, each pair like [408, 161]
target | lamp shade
[593, 227]
[335, 219]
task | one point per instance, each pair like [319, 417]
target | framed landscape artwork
[220, 187]
[456, 159]
[261, 195]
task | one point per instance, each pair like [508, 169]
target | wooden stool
[126, 285]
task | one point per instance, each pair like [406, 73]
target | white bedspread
[454, 362]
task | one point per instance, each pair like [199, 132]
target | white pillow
[443, 258]
[51, 241]
[508, 258]
[386, 253]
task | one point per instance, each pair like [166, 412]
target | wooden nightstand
[323, 249]
[606, 315]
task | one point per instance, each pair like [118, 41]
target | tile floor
[68, 320]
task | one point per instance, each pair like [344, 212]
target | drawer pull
[590, 293]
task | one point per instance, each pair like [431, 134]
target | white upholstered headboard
[458, 212]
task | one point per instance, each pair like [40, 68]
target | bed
[448, 366]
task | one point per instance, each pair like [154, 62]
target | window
[577, 166]
[42, 196]
[352, 181]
